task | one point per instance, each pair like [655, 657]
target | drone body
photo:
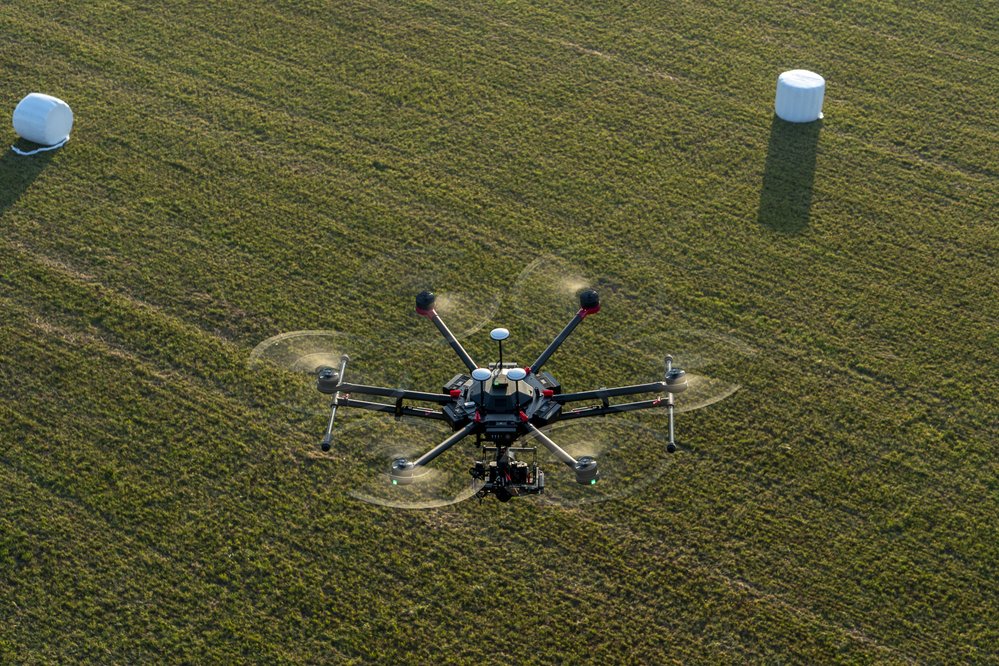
[500, 404]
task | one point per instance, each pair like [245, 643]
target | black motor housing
[425, 301]
[327, 380]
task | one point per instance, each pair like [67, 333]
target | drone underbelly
[501, 428]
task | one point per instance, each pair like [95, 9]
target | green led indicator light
[593, 482]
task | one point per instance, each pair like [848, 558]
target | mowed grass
[237, 171]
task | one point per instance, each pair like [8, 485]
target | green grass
[239, 170]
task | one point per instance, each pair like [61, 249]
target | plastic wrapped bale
[43, 119]
[799, 96]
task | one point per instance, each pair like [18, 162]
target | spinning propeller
[467, 308]
[367, 443]
[548, 284]
[630, 456]
[375, 444]
[310, 352]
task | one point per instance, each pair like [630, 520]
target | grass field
[238, 170]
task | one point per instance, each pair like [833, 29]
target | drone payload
[503, 405]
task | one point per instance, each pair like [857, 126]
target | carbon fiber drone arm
[675, 382]
[404, 472]
[425, 308]
[424, 396]
[604, 393]
[396, 409]
[589, 303]
[668, 402]
[555, 449]
[603, 410]
[331, 383]
[427, 457]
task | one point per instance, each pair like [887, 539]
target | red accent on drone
[523, 416]
[583, 312]
[455, 393]
[429, 314]
[547, 393]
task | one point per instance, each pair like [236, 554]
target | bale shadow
[786, 196]
[17, 172]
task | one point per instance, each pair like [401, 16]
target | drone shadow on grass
[788, 177]
[17, 172]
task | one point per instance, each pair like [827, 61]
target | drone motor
[327, 380]
[586, 471]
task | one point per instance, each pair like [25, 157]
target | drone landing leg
[671, 444]
[673, 377]
[328, 436]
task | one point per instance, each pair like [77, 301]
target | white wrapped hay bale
[43, 119]
[799, 96]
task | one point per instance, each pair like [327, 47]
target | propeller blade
[630, 458]
[369, 445]
[544, 297]
[703, 392]
[307, 352]
[466, 305]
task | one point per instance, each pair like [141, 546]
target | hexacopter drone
[500, 404]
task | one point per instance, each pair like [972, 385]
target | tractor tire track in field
[833, 255]
[836, 508]
[733, 99]
[229, 388]
[839, 259]
[893, 148]
[139, 553]
[736, 98]
[691, 563]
